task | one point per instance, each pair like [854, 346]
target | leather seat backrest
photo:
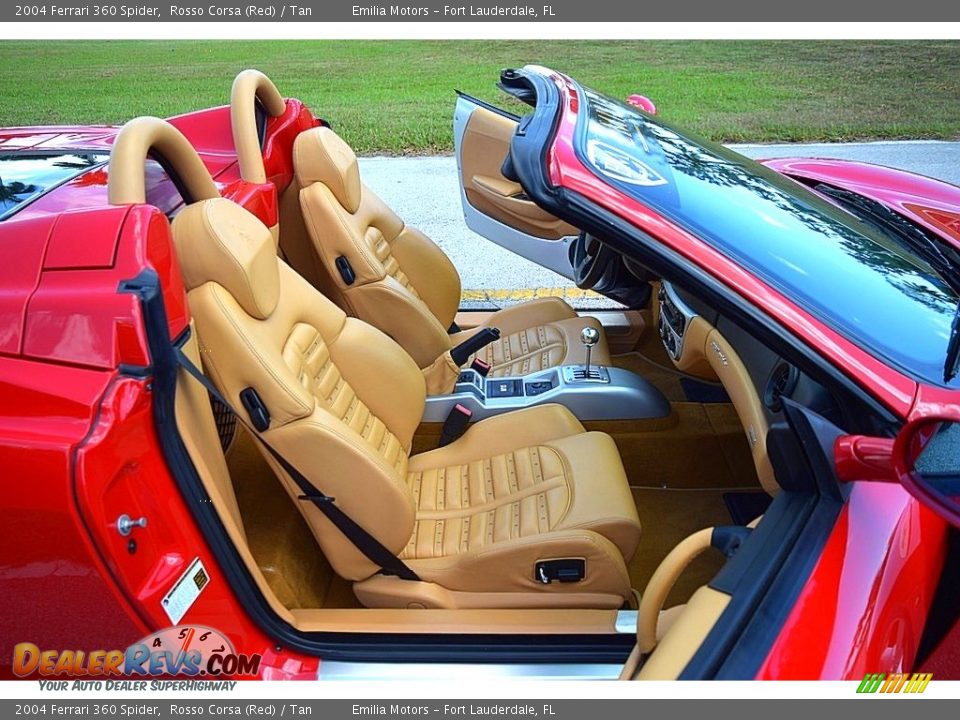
[343, 399]
[404, 283]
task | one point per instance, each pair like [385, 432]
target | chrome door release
[126, 524]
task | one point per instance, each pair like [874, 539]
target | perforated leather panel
[524, 352]
[381, 248]
[308, 355]
[465, 507]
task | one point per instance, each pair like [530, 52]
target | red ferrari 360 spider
[241, 408]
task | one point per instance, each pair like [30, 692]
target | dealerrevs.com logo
[192, 651]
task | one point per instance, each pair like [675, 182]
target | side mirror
[926, 459]
[642, 102]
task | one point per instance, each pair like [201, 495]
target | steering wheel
[252, 87]
[589, 258]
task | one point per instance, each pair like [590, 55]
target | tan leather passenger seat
[404, 284]
[471, 519]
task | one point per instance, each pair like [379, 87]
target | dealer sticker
[185, 591]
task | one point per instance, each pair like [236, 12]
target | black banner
[429, 11]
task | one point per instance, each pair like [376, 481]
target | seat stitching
[253, 350]
[477, 509]
[376, 457]
[313, 226]
[590, 537]
[509, 360]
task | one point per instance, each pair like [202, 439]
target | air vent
[781, 384]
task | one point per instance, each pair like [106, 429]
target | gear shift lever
[589, 336]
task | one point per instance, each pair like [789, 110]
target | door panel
[498, 208]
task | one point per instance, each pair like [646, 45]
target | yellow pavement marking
[500, 295]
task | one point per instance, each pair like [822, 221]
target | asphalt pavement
[425, 193]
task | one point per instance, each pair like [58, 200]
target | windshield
[863, 283]
[25, 176]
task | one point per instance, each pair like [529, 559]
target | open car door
[495, 205]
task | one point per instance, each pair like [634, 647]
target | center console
[608, 394]
[591, 392]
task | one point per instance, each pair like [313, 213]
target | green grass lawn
[397, 96]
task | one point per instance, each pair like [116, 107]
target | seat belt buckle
[482, 367]
[455, 425]
[566, 570]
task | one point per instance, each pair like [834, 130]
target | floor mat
[698, 446]
[666, 518]
[746, 506]
[661, 377]
[703, 392]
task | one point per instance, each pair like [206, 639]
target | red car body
[78, 443]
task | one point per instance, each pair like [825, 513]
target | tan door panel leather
[708, 354]
[739, 386]
[693, 356]
[503, 194]
[497, 186]
[486, 140]
[686, 634]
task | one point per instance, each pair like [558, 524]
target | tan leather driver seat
[473, 518]
[403, 283]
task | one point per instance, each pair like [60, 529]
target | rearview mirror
[927, 459]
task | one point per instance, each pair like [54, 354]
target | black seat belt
[374, 550]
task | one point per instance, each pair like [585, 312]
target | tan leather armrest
[501, 193]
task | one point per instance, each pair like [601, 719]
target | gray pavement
[424, 191]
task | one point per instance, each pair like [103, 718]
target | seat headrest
[219, 241]
[320, 155]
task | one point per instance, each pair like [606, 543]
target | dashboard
[706, 346]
